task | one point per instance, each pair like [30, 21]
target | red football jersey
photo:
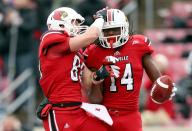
[123, 92]
[59, 74]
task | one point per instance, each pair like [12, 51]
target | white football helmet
[66, 19]
[115, 19]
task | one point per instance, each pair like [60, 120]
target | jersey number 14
[127, 79]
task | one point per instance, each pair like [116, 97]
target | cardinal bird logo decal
[60, 15]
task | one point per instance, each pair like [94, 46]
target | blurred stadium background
[168, 23]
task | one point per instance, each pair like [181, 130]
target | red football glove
[107, 69]
[163, 89]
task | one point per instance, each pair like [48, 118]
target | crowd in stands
[178, 15]
[174, 40]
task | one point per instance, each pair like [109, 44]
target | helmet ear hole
[79, 21]
[61, 25]
[49, 26]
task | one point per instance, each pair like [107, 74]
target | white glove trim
[162, 84]
[98, 23]
[115, 70]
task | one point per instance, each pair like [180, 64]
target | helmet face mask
[66, 19]
[118, 25]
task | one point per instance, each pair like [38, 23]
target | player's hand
[109, 62]
[107, 69]
[101, 14]
[174, 90]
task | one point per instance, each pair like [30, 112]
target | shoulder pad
[50, 33]
[140, 39]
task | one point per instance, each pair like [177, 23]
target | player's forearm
[88, 37]
[91, 87]
[150, 68]
[95, 95]
[86, 79]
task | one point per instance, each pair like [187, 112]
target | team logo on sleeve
[147, 40]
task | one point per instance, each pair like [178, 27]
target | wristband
[98, 23]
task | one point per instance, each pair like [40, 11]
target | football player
[60, 64]
[121, 95]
